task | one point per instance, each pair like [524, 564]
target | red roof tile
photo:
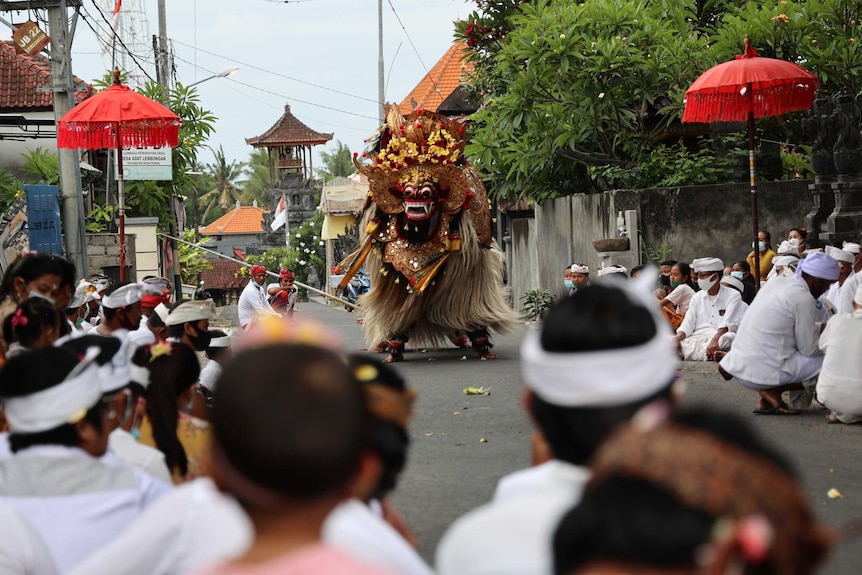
[240, 220]
[223, 275]
[288, 131]
[446, 75]
[20, 76]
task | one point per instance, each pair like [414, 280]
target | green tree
[225, 193]
[192, 259]
[11, 188]
[338, 162]
[257, 171]
[42, 165]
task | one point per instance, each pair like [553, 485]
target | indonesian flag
[280, 215]
[115, 16]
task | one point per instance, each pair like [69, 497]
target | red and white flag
[116, 14]
[280, 215]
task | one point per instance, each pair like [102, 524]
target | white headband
[614, 269]
[221, 341]
[852, 247]
[579, 269]
[707, 265]
[66, 402]
[123, 296]
[608, 377]
[191, 311]
[162, 311]
[840, 255]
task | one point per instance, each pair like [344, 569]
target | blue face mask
[569, 284]
[760, 246]
[34, 294]
[738, 275]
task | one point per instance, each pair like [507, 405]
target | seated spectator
[296, 462]
[742, 271]
[580, 276]
[22, 550]
[846, 260]
[727, 503]
[784, 266]
[609, 332]
[800, 235]
[776, 349]
[59, 429]
[361, 526]
[636, 270]
[839, 385]
[567, 280]
[675, 304]
[704, 330]
[856, 250]
[844, 302]
[764, 246]
[664, 278]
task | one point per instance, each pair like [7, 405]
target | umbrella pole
[752, 175]
[121, 200]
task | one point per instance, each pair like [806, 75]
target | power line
[118, 38]
[409, 39]
[253, 67]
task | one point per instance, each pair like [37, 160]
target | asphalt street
[462, 444]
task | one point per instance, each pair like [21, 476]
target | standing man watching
[253, 301]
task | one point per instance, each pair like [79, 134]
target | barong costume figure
[436, 271]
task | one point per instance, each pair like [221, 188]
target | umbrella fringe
[728, 107]
[99, 136]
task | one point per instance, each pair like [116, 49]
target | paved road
[451, 470]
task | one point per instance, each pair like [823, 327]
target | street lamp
[229, 71]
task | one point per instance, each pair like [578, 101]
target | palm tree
[336, 163]
[257, 172]
[226, 192]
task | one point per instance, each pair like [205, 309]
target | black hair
[634, 522]
[746, 267]
[668, 263]
[216, 352]
[636, 269]
[37, 370]
[596, 318]
[387, 439]
[767, 235]
[30, 320]
[803, 233]
[305, 438]
[685, 270]
[155, 320]
[33, 266]
[170, 375]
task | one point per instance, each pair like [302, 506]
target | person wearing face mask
[675, 304]
[704, 332]
[567, 280]
[188, 322]
[764, 246]
[844, 301]
[742, 271]
[168, 424]
[121, 310]
[776, 348]
[580, 277]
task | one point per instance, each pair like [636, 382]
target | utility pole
[164, 80]
[381, 113]
[63, 90]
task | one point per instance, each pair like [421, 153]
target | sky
[319, 56]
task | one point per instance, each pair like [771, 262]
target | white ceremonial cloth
[681, 298]
[210, 374]
[359, 533]
[184, 532]
[780, 322]
[511, 535]
[848, 290]
[839, 386]
[708, 312]
[143, 335]
[253, 301]
[74, 501]
[22, 551]
[151, 460]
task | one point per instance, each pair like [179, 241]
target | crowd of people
[120, 454]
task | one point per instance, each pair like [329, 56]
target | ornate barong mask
[422, 187]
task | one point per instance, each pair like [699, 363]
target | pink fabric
[312, 560]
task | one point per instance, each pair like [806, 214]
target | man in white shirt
[844, 301]
[253, 300]
[602, 355]
[846, 260]
[59, 428]
[776, 349]
[704, 331]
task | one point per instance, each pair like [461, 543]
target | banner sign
[146, 164]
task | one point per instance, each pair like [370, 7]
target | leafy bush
[536, 303]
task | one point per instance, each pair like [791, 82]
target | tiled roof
[288, 131]
[20, 76]
[240, 220]
[223, 275]
[446, 75]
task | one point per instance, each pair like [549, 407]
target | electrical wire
[104, 43]
[409, 39]
[253, 67]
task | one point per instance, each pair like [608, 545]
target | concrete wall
[103, 254]
[229, 241]
[146, 246]
[694, 221]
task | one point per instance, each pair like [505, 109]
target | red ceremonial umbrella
[746, 88]
[115, 118]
